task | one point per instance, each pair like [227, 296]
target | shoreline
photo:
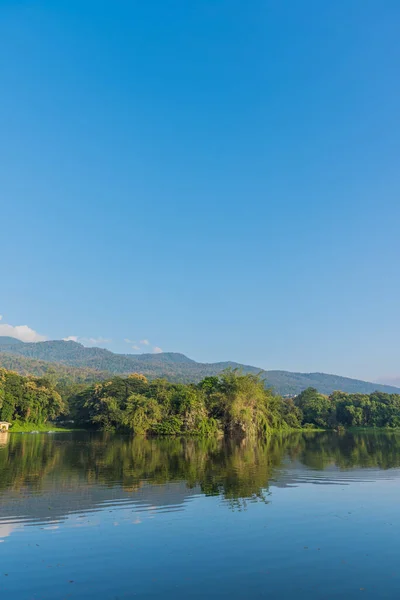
[19, 427]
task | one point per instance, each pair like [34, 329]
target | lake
[97, 516]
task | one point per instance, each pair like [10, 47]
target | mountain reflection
[68, 473]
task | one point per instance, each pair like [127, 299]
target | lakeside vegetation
[48, 427]
[231, 403]
[29, 399]
[349, 410]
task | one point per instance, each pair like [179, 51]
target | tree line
[230, 403]
[28, 399]
[349, 410]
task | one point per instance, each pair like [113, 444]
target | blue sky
[220, 178]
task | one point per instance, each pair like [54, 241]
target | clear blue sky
[220, 178]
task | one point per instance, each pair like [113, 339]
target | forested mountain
[81, 364]
[54, 371]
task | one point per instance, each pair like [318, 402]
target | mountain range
[72, 359]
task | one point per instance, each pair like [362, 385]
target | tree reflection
[238, 471]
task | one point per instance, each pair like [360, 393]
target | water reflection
[95, 517]
[46, 477]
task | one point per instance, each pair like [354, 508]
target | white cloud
[1, 316]
[22, 333]
[90, 341]
[145, 342]
[95, 341]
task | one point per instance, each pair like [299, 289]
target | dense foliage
[231, 402]
[29, 399]
[349, 410]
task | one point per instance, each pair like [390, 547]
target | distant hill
[40, 368]
[390, 381]
[88, 364]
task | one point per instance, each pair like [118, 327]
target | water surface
[91, 516]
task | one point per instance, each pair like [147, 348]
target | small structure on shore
[4, 425]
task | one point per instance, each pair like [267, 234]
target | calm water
[110, 517]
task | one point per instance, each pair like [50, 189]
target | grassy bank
[369, 429]
[20, 427]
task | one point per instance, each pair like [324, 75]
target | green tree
[317, 409]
